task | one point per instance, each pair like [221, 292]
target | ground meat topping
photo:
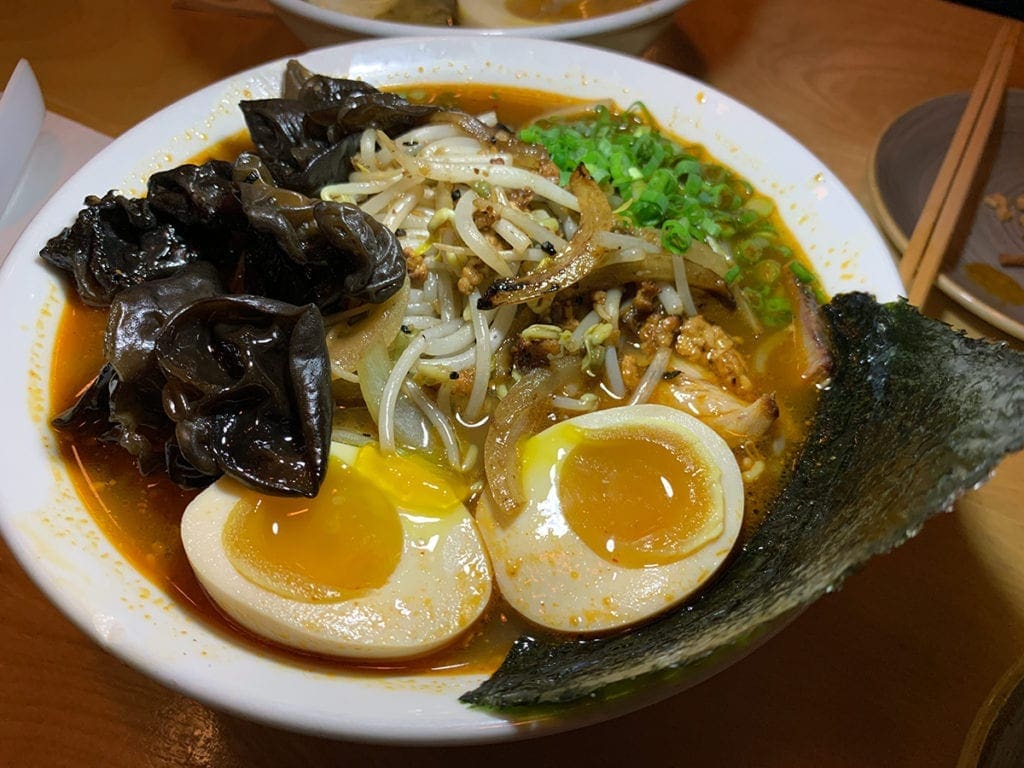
[485, 217]
[708, 345]
[631, 371]
[658, 331]
[415, 265]
[471, 276]
[520, 198]
[528, 354]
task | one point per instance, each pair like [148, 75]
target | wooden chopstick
[934, 229]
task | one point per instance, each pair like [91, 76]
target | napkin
[62, 147]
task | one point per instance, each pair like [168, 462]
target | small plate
[902, 170]
[996, 737]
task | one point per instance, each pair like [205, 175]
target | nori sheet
[915, 415]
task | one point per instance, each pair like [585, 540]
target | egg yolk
[638, 501]
[411, 482]
[347, 540]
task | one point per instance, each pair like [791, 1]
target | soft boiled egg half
[385, 563]
[629, 510]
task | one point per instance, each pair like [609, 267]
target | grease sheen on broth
[141, 515]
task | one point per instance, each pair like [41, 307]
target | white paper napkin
[62, 147]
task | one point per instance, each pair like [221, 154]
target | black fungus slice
[116, 242]
[197, 196]
[137, 318]
[138, 315]
[264, 240]
[248, 388]
[90, 413]
[200, 384]
[124, 403]
[340, 251]
[307, 137]
[947, 408]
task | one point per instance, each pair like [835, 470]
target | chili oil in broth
[141, 515]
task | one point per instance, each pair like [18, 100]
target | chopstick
[934, 229]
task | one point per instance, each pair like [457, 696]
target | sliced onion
[658, 267]
[811, 336]
[346, 344]
[399, 421]
[523, 412]
[580, 257]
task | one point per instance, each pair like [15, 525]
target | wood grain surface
[890, 671]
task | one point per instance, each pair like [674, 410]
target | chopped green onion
[762, 206]
[767, 271]
[675, 236]
[802, 273]
[655, 182]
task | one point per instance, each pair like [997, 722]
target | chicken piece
[710, 380]
[736, 420]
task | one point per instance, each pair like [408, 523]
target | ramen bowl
[66, 553]
[631, 30]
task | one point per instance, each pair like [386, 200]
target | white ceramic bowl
[61, 547]
[630, 31]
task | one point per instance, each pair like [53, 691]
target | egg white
[441, 585]
[549, 575]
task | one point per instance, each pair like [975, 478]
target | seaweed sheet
[916, 414]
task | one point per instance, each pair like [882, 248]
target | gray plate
[905, 164]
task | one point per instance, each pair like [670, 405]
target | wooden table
[889, 671]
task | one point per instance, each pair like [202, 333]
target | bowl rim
[140, 639]
[369, 27]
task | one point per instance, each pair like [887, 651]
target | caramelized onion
[811, 336]
[347, 344]
[581, 257]
[532, 156]
[658, 267]
[523, 412]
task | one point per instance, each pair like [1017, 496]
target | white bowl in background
[630, 31]
[63, 550]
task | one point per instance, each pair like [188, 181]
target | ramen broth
[140, 515]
